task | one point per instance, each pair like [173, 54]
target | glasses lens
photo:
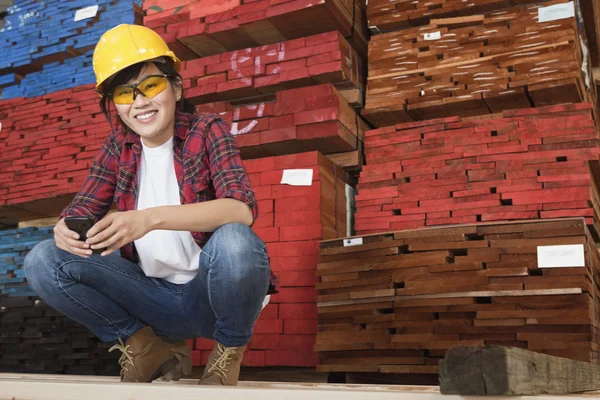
[152, 86]
[123, 95]
[149, 87]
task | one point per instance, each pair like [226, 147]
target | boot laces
[125, 358]
[219, 366]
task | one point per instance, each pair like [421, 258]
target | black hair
[126, 75]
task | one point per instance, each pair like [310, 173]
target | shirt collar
[182, 127]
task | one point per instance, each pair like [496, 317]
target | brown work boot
[223, 366]
[184, 354]
[145, 357]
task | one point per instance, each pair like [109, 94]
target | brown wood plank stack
[397, 302]
[475, 65]
[386, 15]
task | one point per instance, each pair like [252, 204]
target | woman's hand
[68, 240]
[118, 229]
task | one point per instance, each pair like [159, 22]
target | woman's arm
[235, 200]
[200, 217]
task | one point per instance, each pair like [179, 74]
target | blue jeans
[114, 298]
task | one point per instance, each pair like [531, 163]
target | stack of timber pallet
[48, 143]
[477, 65]
[34, 337]
[529, 164]
[385, 15]
[49, 154]
[394, 303]
[203, 28]
[260, 71]
[292, 221]
[299, 120]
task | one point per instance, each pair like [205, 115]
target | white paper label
[562, 256]
[557, 11]
[432, 36]
[350, 205]
[352, 242]
[584, 64]
[297, 177]
[84, 13]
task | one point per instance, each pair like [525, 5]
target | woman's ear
[178, 86]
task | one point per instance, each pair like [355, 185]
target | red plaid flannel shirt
[207, 164]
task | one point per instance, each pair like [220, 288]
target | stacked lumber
[474, 66]
[50, 153]
[528, 164]
[202, 28]
[304, 119]
[386, 16]
[396, 302]
[292, 220]
[34, 337]
[47, 143]
[45, 49]
[252, 72]
[71, 73]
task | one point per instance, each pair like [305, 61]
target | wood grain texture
[504, 371]
[483, 287]
[452, 58]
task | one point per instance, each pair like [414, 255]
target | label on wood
[562, 256]
[84, 13]
[432, 35]
[557, 11]
[350, 206]
[353, 242]
[297, 177]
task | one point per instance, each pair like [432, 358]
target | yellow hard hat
[125, 45]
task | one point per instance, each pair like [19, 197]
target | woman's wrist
[152, 218]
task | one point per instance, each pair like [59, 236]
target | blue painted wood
[35, 30]
[15, 244]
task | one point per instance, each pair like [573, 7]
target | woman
[190, 265]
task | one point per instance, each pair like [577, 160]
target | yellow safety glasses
[149, 87]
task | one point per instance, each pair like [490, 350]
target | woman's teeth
[146, 116]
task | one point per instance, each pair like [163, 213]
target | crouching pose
[189, 264]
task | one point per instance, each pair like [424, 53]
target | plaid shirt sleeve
[228, 174]
[96, 195]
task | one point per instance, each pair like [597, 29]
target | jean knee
[39, 263]
[237, 239]
[240, 248]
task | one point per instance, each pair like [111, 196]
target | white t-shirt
[170, 255]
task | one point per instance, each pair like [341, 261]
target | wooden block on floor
[504, 371]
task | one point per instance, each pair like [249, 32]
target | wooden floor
[73, 387]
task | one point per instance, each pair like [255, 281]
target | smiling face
[153, 119]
